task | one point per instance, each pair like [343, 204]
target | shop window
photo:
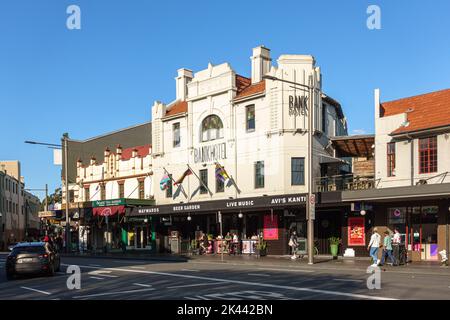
[428, 155]
[391, 159]
[259, 174]
[204, 179]
[169, 189]
[250, 118]
[176, 135]
[297, 171]
[212, 128]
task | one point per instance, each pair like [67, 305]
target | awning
[330, 159]
[354, 146]
[108, 211]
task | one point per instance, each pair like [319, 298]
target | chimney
[93, 161]
[134, 153]
[261, 62]
[184, 77]
[107, 152]
[119, 151]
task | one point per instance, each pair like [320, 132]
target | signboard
[312, 207]
[223, 205]
[46, 214]
[210, 153]
[108, 203]
[270, 227]
[57, 157]
[397, 215]
[356, 231]
[298, 105]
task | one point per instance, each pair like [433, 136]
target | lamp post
[310, 206]
[65, 146]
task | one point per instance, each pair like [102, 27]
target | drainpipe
[411, 141]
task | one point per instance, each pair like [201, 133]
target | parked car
[32, 258]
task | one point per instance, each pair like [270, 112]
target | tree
[55, 197]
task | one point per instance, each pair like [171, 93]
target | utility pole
[66, 181]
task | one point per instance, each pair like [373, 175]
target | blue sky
[107, 75]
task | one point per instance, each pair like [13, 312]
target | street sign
[312, 207]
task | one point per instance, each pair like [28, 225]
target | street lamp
[65, 146]
[311, 198]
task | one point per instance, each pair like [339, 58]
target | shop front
[270, 218]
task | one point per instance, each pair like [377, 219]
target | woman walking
[373, 246]
[293, 243]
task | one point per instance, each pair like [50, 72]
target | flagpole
[210, 193]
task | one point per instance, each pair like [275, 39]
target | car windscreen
[30, 249]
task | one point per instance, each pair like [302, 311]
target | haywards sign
[210, 153]
[108, 203]
[298, 105]
[223, 205]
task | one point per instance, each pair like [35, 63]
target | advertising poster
[270, 227]
[356, 231]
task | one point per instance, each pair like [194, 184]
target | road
[103, 278]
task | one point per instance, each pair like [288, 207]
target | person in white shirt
[397, 238]
[373, 247]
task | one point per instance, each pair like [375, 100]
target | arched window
[212, 128]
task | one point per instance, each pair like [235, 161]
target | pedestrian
[293, 243]
[396, 241]
[387, 248]
[373, 246]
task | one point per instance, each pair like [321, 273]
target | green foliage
[335, 240]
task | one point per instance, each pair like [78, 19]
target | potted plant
[262, 248]
[334, 246]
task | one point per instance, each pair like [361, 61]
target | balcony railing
[345, 182]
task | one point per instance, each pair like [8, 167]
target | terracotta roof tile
[245, 87]
[426, 111]
[178, 107]
[142, 151]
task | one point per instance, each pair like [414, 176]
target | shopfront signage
[223, 205]
[46, 214]
[270, 231]
[298, 105]
[108, 203]
[210, 153]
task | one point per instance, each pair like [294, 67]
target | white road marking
[289, 270]
[103, 273]
[191, 270]
[95, 265]
[258, 274]
[329, 292]
[136, 267]
[194, 285]
[190, 298]
[97, 278]
[112, 293]
[142, 285]
[349, 280]
[36, 290]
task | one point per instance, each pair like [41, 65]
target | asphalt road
[197, 280]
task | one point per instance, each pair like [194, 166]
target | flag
[180, 180]
[164, 184]
[221, 174]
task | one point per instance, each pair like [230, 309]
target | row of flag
[220, 173]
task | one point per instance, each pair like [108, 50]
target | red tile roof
[178, 107]
[142, 151]
[245, 88]
[425, 111]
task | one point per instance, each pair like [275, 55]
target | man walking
[373, 246]
[387, 248]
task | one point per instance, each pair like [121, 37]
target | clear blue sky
[107, 75]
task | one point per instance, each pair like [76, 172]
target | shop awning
[108, 211]
[354, 146]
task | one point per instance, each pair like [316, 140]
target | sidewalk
[320, 262]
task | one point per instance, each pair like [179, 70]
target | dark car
[32, 258]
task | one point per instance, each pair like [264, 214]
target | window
[324, 118]
[121, 190]
[141, 189]
[391, 159]
[428, 155]
[259, 174]
[297, 171]
[176, 135]
[71, 196]
[250, 118]
[102, 192]
[220, 186]
[87, 194]
[169, 189]
[212, 128]
[204, 179]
